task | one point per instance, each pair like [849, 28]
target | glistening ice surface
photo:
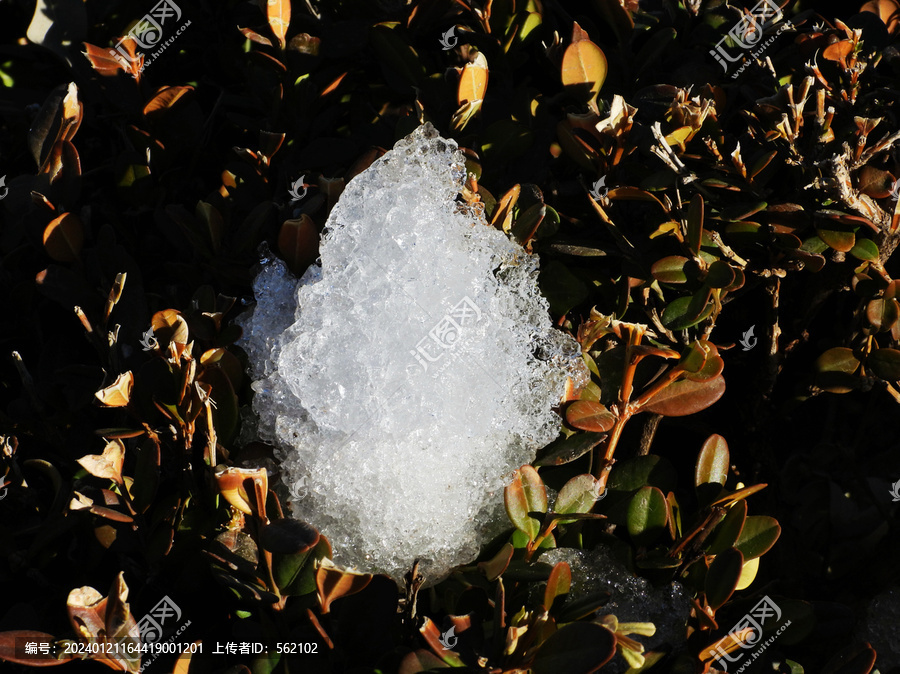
[404, 379]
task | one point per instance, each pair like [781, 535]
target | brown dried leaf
[118, 393]
[107, 465]
[232, 485]
[333, 583]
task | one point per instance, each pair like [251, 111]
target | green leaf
[561, 287]
[576, 609]
[578, 648]
[695, 223]
[395, 54]
[635, 472]
[525, 494]
[838, 359]
[839, 237]
[883, 314]
[865, 249]
[578, 495]
[723, 576]
[647, 516]
[712, 465]
[295, 547]
[505, 140]
[758, 536]
[684, 397]
[680, 314]
[720, 275]
[885, 363]
[570, 449]
[670, 269]
[729, 529]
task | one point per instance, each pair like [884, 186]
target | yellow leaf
[748, 574]
[473, 81]
[107, 465]
[584, 69]
[118, 393]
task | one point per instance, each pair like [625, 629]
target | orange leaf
[64, 237]
[279, 14]
[590, 416]
[107, 465]
[334, 583]
[103, 60]
[334, 85]
[584, 69]
[232, 481]
[838, 51]
[473, 81]
[118, 393]
[164, 98]
[169, 326]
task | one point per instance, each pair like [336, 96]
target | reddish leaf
[103, 60]
[686, 396]
[590, 416]
[165, 98]
[253, 36]
[558, 584]
[838, 51]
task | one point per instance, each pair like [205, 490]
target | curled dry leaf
[169, 327]
[118, 393]
[232, 483]
[107, 465]
[333, 583]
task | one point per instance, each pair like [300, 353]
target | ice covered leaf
[405, 378]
